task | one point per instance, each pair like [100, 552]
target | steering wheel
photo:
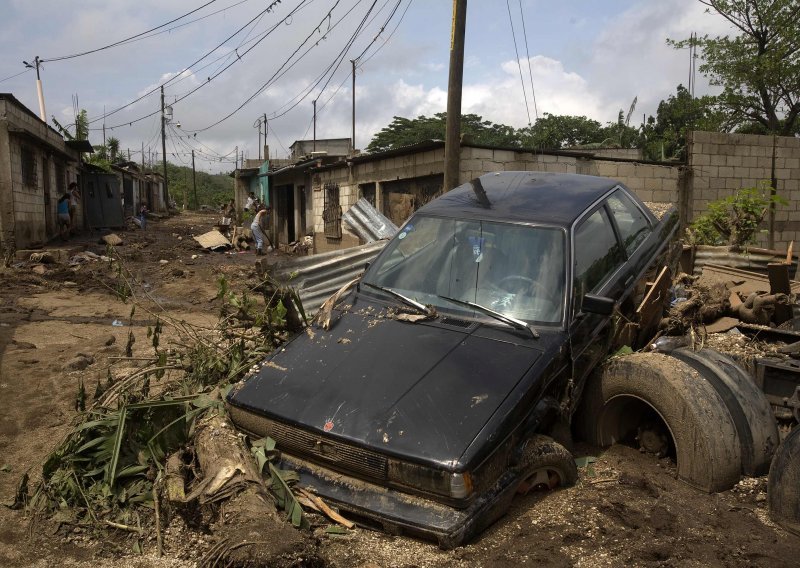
[516, 283]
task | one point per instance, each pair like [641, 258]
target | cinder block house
[36, 166]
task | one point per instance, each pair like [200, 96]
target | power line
[284, 64]
[122, 41]
[188, 67]
[528, 53]
[15, 75]
[400, 21]
[514, 36]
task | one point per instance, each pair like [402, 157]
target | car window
[633, 226]
[597, 253]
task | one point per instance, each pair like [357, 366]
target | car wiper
[405, 299]
[513, 322]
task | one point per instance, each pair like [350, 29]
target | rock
[177, 272]
[761, 497]
[79, 363]
[194, 256]
[180, 238]
[112, 239]
[22, 344]
[69, 284]
[39, 269]
[162, 262]
[111, 340]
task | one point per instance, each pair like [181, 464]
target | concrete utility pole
[452, 140]
[194, 183]
[353, 141]
[164, 146]
[36, 64]
[314, 148]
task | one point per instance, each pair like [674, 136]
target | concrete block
[726, 171]
[717, 160]
[503, 155]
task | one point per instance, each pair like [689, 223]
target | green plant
[735, 220]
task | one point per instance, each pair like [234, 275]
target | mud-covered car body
[419, 426]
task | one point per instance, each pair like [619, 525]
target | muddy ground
[56, 330]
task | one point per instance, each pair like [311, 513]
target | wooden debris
[326, 510]
[325, 312]
[779, 283]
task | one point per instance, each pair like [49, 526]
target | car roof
[535, 197]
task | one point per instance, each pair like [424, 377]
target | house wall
[723, 163]
[27, 221]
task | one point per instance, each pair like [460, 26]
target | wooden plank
[651, 309]
[779, 283]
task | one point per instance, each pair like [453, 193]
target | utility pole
[353, 141]
[142, 156]
[164, 147]
[36, 64]
[314, 147]
[266, 157]
[452, 140]
[194, 182]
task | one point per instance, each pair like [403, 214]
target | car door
[598, 267]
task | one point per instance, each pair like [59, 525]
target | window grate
[332, 211]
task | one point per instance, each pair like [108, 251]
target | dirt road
[56, 331]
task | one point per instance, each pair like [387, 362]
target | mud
[628, 509]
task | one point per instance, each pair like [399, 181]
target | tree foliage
[663, 137]
[758, 69]
[404, 131]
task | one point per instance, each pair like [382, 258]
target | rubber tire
[706, 442]
[542, 451]
[748, 406]
[783, 488]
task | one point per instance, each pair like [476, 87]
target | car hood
[417, 390]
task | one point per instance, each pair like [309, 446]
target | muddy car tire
[748, 406]
[630, 390]
[783, 489]
[545, 464]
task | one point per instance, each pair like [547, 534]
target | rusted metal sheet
[752, 282]
[753, 259]
[369, 223]
[318, 276]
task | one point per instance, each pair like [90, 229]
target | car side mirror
[598, 305]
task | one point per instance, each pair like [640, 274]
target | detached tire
[783, 488]
[628, 391]
[748, 406]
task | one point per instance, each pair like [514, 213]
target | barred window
[332, 211]
[28, 166]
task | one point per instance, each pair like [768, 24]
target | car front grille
[341, 456]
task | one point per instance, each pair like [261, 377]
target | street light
[35, 65]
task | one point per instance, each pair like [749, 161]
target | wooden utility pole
[353, 61]
[452, 140]
[194, 182]
[164, 147]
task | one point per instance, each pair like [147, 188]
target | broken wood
[326, 510]
[325, 312]
[173, 479]
[779, 283]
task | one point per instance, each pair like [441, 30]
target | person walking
[74, 196]
[62, 208]
[260, 221]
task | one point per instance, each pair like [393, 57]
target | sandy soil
[56, 329]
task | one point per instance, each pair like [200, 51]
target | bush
[735, 220]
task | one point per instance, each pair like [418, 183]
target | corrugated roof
[368, 222]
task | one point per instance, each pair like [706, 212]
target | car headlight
[449, 484]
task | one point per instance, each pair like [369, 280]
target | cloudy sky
[583, 57]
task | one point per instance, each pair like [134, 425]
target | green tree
[81, 127]
[663, 137]
[758, 69]
[553, 132]
[404, 131]
[112, 144]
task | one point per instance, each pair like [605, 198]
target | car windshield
[517, 270]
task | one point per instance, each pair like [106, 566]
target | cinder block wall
[723, 163]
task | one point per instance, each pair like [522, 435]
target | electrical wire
[188, 67]
[530, 71]
[122, 41]
[400, 21]
[275, 75]
[514, 36]
[15, 75]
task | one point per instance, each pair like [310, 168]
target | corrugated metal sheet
[318, 276]
[369, 223]
[754, 260]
